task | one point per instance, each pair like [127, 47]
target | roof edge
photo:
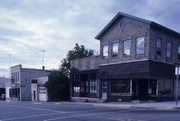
[120, 14]
[113, 21]
[156, 25]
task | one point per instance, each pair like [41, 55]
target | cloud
[29, 26]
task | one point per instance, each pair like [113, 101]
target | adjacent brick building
[137, 61]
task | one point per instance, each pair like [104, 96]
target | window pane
[158, 43]
[179, 52]
[169, 49]
[115, 49]
[140, 45]
[120, 86]
[105, 50]
[178, 49]
[127, 46]
[93, 86]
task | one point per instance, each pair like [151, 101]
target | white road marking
[73, 116]
[88, 114]
[32, 116]
[34, 108]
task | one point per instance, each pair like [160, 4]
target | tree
[77, 52]
[58, 86]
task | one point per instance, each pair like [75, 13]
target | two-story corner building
[21, 79]
[137, 61]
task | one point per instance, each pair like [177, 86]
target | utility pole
[177, 81]
[10, 65]
[10, 94]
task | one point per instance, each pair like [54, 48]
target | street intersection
[71, 111]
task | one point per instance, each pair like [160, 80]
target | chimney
[43, 67]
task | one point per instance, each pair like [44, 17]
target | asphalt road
[65, 111]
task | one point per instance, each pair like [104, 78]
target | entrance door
[142, 89]
[104, 90]
[84, 85]
[34, 95]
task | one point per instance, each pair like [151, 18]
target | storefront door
[104, 90]
[143, 89]
[140, 89]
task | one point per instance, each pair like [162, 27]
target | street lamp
[177, 72]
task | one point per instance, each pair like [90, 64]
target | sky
[29, 26]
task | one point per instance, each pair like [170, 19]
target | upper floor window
[127, 47]
[158, 46]
[179, 52]
[15, 77]
[105, 51]
[140, 45]
[115, 49]
[169, 49]
[158, 43]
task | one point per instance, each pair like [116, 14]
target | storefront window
[14, 92]
[120, 86]
[76, 84]
[77, 89]
[164, 87]
[83, 87]
[152, 87]
[93, 85]
[87, 86]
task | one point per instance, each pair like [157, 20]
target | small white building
[4, 84]
[21, 81]
[38, 89]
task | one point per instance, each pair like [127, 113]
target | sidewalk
[153, 105]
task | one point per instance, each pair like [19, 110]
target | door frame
[104, 89]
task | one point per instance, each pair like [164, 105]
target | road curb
[155, 108]
[137, 107]
[113, 106]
